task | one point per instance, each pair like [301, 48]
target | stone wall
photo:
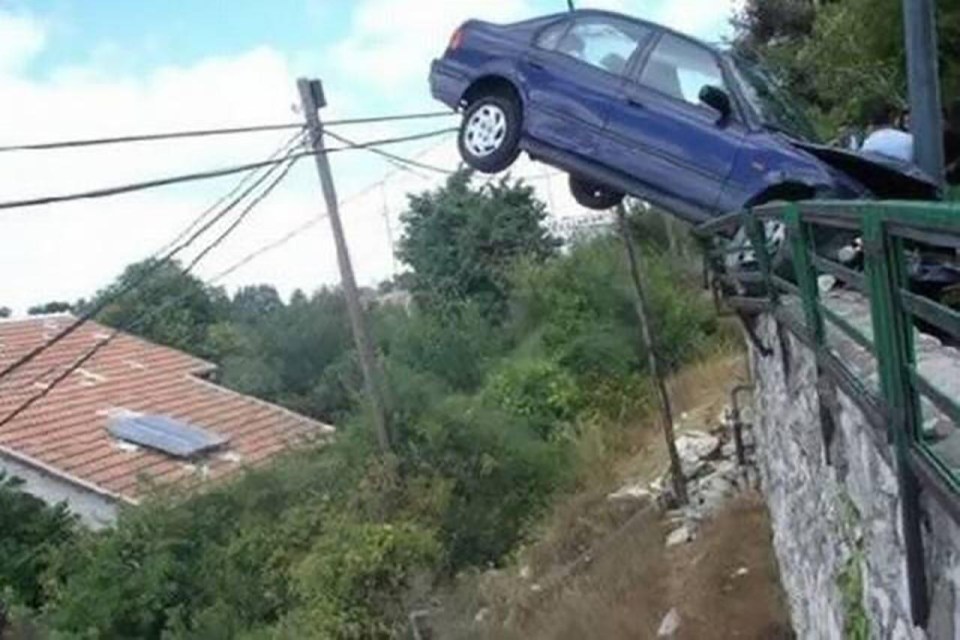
[834, 500]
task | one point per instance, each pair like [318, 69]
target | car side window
[680, 69]
[550, 37]
[601, 42]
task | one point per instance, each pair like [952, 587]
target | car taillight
[456, 39]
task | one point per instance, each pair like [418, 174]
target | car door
[573, 72]
[663, 136]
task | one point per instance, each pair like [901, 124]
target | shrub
[538, 390]
[353, 580]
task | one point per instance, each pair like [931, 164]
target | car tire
[489, 138]
[592, 195]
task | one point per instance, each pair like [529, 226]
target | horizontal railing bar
[843, 324]
[939, 315]
[729, 221]
[936, 478]
[939, 216]
[938, 398]
[844, 274]
[939, 237]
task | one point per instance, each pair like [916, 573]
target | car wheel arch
[491, 84]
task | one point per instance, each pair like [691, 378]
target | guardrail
[890, 233]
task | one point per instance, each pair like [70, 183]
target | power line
[204, 175]
[404, 161]
[297, 138]
[203, 133]
[243, 214]
[90, 353]
[109, 298]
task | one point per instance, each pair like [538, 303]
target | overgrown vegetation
[515, 356]
[842, 57]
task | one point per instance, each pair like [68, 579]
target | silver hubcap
[485, 131]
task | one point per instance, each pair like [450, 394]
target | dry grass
[599, 569]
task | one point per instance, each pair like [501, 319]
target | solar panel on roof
[165, 434]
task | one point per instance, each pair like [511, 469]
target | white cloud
[391, 42]
[21, 38]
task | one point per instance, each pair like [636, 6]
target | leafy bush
[498, 470]
[538, 390]
[29, 532]
[353, 580]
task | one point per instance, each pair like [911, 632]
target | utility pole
[926, 117]
[653, 360]
[312, 100]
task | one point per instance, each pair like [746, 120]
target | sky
[88, 68]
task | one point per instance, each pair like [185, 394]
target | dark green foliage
[352, 580]
[191, 308]
[29, 532]
[461, 241]
[841, 56]
[50, 307]
[5, 312]
[497, 469]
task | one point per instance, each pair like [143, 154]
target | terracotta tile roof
[66, 434]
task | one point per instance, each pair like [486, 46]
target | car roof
[622, 16]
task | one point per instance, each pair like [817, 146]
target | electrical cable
[90, 353]
[108, 299]
[201, 133]
[205, 175]
[285, 148]
[391, 156]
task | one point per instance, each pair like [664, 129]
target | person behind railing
[887, 133]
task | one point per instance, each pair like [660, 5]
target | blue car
[629, 107]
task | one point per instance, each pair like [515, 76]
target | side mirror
[717, 99]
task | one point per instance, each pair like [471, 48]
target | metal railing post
[892, 332]
[801, 245]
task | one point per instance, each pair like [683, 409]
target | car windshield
[775, 109]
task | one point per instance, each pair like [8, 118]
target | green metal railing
[900, 394]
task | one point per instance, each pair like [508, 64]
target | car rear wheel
[592, 195]
[490, 133]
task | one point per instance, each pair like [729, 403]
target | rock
[695, 448]
[739, 573]
[728, 450]
[631, 492]
[681, 535]
[669, 624]
[482, 615]
[525, 572]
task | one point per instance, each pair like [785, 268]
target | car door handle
[535, 64]
[634, 102]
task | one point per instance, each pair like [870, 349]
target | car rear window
[680, 69]
[601, 42]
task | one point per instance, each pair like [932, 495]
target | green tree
[842, 56]
[30, 531]
[171, 308]
[460, 240]
[5, 312]
[50, 307]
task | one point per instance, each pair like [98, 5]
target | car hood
[884, 176]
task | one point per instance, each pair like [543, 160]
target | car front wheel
[592, 195]
[490, 133]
